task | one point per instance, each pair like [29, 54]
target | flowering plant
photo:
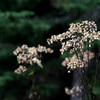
[76, 40]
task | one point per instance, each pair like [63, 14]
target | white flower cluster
[20, 69]
[76, 35]
[75, 91]
[72, 63]
[31, 55]
[76, 62]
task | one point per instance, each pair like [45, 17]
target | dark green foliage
[82, 5]
[20, 23]
[15, 5]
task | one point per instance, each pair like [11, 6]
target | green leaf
[31, 73]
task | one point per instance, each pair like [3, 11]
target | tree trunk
[76, 83]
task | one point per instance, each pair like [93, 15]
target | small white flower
[37, 61]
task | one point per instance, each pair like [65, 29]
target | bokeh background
[31, 22]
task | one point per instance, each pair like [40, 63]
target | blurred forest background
[31, 22]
